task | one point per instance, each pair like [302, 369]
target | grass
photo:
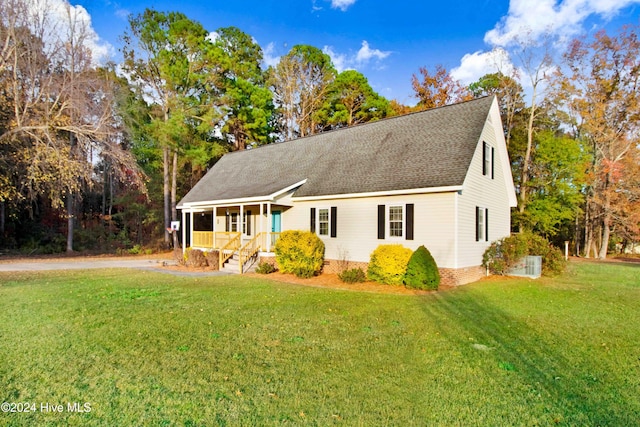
[150, 349]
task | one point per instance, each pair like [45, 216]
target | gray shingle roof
[428, 149]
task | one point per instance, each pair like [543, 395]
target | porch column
[215, 229]
[269, 222]
[261, 222]
[190, 229]
[241, 223]
[184, 231]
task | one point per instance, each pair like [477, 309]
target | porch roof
[429, 149]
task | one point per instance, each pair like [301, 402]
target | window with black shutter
[409, 221]
[381, 221]
[482, 224]
[324, 221]
[334, 221]
[312, 227]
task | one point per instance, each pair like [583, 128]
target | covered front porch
[238, 230]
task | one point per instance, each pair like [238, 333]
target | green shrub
[136, 250]
[388, 264]
[422, 271]
[353, 275]
[504, 254]
[553, 262]
[300, 253]
[265, 268]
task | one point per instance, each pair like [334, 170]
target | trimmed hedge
[300, 253]
[388, 264]
[422, 271]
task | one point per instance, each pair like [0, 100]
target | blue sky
[388, 41]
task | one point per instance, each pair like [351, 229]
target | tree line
[96, 157]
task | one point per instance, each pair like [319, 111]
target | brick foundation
[448, 276]
[268, 259]
[333, 266]
[461, 276]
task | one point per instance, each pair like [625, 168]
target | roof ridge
[360, 125]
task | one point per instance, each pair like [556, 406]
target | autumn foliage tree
[600, 90]
[438, 88]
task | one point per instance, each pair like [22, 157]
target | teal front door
[276, 221]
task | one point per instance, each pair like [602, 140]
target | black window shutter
[493, 156]
[334, 221]
[484, 158]
[381, 209]
[313, 220]
[227, 223]
[477, 224]
[248, 223]
[409, 221]
[486, 225]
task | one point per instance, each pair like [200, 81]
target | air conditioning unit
[529, 266]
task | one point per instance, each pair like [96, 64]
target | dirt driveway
[157, 263]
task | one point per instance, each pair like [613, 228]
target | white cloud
[361, 58]
[269, 57]
[475, 65]
[343, 5]
[59, 17]
[366, 53]
[340, 61]
[560, 18]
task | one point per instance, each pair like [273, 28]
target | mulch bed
[326, 280]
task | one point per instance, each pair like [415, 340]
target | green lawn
[152, 349]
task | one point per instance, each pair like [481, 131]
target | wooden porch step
[233, 264]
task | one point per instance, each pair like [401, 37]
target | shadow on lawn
[565, 384]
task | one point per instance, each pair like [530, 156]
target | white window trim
[328, 209]
[233, 215]
[483, 237]
[488, 156]
[401, 205]
[244, 223]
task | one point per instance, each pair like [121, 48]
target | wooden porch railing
[228, 242]
[229, 249]
[249, 249]
[212, 239]
[202, 239]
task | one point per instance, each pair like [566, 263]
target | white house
[439, 178]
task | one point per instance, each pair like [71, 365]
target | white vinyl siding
[357, 225]
[489, 196]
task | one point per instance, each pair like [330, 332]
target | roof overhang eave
[446, 189]
[241, 200]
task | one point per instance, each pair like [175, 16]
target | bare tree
[535, 60]
[300, 83]
[62, 115]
